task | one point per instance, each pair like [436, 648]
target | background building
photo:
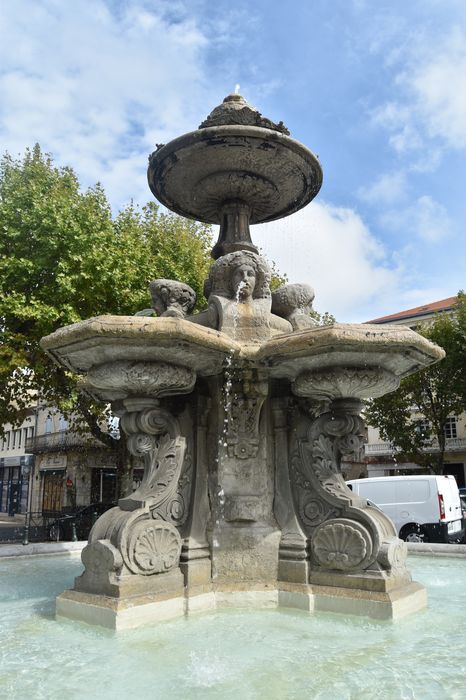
[71, 469]
[16, 466]
[380, 456]
[47, 467]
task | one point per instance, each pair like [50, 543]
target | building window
[48, 424]
[6, 441]
[450, 427]
[16, 439]
[63, 424]
[423, 428]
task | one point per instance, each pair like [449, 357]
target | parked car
[62, 527]
[423, 508]
[463, 510]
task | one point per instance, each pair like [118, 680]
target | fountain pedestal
[242, 413]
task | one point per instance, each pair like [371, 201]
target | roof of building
[425, 310]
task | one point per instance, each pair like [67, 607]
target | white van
[423, 508]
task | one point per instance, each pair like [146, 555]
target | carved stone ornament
[338, 434]
[101, 557]
[235, 110]
[154, 547]
[318, 486]
[118, 380]
[219, 187]
[341, 544]
[393, 554]
[165, 486]
[249, 389]
[172, 298]
[135, 541]
[223, 281]
[345, 382]
[294, 303]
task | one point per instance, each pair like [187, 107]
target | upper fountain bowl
[236, 155]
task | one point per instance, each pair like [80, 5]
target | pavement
[436, 549]
[11, 520]
[19, 550]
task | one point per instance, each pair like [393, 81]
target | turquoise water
[245, 655]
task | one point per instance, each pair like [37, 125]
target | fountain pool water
[235, 653]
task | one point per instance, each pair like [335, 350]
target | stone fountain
[242, 413]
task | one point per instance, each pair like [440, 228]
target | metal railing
[45, 527]
[387, 448]
[60, 442]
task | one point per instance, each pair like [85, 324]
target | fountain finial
[235, 110]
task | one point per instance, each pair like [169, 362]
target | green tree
[64, 258]
[414, 417]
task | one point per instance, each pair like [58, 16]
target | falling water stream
[228, 398]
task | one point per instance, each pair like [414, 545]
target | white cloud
[332, 249]
[425, 218]
[387, 189]
[430, 102]
[98, 89]
[440, 92]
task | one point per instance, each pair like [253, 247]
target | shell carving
[342, 545]
[154, 547]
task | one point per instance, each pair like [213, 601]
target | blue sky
[377, 89]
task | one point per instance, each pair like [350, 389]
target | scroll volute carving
[154, 434]
[316, 452]
[346, 533]
[134, 542]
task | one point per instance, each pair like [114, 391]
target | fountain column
[245, 535]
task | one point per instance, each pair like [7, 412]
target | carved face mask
[243, 280]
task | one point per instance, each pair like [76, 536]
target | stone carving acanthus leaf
[326, 467]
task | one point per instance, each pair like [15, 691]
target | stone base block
[247, 599]
[200, 602]
[297, 599]
[293, 571]
[376, 581]
[391, 605]
[196, 572]
[245, 553]
[117, 613]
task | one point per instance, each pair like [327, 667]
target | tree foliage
[64, 258]
[414, 417]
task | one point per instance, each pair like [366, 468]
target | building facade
[381, 456]
[71, 469]
[16, 466]
[47, 467]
